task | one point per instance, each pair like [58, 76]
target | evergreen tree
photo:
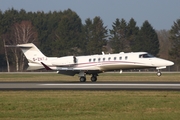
[95, 35]
[132, 33]
[2, 56]
[39, 20]
[147, 40]
[175, 39]
[68, 35]
[1, 32]
[87, 34]
[118, 37]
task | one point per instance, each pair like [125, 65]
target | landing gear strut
[82, 76]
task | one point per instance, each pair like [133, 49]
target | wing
[71, 71]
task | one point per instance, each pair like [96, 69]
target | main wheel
[93, 78]
[82, 79]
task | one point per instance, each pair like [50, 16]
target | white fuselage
[90, 64]
[106, 62]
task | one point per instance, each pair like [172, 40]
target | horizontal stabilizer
[35, 67]
[21, 45]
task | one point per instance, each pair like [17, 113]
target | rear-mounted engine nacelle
[65, 61]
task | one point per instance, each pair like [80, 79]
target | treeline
[62, 33]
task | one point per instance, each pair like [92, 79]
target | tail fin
[32, 53]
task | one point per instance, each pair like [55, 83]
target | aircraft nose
[169, 63]
[162, 62]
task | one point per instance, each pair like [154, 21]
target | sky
[161, 14]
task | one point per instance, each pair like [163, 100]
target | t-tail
[33, 55]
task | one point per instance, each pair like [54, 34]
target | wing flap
[68, 72]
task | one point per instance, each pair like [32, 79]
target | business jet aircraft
[91, 64]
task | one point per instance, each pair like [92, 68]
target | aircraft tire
[159, 74]
[82, 79]
[93, 78]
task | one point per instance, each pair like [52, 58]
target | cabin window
[109, 58]
[126, 58]
[120, 58]
[99, 59]
[94, 59]
[114, 58]
[89, 60]
[103, 59]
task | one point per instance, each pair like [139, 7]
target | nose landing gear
[159, 73]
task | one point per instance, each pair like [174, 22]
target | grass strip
[89, 105]
[102, 77]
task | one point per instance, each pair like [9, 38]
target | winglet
[47, 68]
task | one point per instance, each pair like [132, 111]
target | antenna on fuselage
[74, 59]
[121, 53]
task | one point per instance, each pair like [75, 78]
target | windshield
[146, 56]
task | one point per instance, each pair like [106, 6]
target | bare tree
[21, 33]
[6, 53]
[165, 43]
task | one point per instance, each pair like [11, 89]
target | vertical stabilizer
[32, 53]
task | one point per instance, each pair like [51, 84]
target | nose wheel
[159, 73]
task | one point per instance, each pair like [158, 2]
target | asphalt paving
[90, 86]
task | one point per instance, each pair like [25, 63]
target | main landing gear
[82, 79]
[93, 78]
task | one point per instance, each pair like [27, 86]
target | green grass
[101, 77]
[89, 105]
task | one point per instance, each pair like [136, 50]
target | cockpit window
[146, 56]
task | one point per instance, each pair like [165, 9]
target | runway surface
[90, 86]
